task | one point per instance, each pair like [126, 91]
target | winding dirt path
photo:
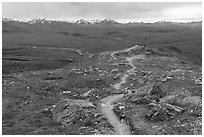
[107, 102]
[130, 60]
[106, 108]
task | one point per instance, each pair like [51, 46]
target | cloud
[90, 10]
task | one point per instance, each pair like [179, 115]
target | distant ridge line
[84, 21]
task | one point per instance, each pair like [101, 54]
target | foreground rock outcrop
[67, 109]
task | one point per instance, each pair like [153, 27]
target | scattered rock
[162, 111]
[66, 92]
[198, 81]
[121, 107]
[87, 93]
[114, 70]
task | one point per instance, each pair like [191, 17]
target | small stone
[66, 92]
[121, 107]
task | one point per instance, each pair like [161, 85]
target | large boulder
[146, 94]
[68, 110]
[151, 89]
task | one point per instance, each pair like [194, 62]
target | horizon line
[116, 20]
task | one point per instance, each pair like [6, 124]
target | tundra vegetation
[64, 79]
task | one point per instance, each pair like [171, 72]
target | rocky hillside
[145, 90]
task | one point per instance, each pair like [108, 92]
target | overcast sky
[137, 11]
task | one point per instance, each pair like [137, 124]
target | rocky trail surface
[120, 128]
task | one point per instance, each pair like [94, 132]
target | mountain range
[80, 21]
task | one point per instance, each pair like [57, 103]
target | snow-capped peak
[5, 19]
[43, 21]
[82, 21]
[108, 20]
[95, 21]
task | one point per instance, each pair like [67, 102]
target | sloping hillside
[49, 45]
[138, 90]
[104, 37]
